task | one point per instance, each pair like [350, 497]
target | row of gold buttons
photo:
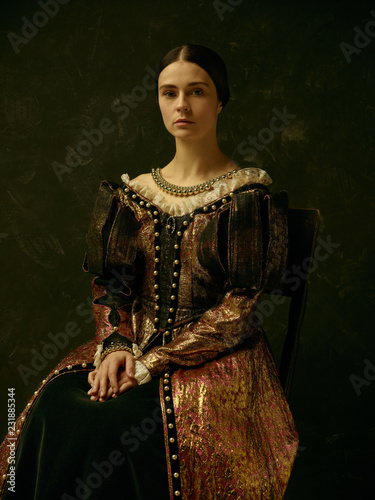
[155, 214]
[157, 249]
[172, 436]
[176, 279]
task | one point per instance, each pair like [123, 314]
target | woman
[184, 399]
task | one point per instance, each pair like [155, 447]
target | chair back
[303, 225]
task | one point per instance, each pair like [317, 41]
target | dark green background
[279, 54]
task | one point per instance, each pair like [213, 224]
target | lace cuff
[142, 375]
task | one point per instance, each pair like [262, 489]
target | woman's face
[186, 91]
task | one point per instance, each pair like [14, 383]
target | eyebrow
[191, 84]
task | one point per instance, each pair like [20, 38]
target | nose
[182, 103]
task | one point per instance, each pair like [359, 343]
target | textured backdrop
[77, 106]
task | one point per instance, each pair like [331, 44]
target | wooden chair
[303, 227]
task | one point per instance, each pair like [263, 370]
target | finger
[91, 379]
[124, 383]
[94, 391]
[129, 384]
[130, 365]
[113, 372]
[101, 399]
[123, 377]
[107, 396]
[94, 397]
[103, 380]
[96, 383]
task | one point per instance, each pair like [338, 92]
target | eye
[199, 91]
[167, 92]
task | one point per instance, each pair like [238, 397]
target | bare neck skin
[197, 161]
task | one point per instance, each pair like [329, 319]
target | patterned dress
[182, 282]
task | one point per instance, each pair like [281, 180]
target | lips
[183, 120]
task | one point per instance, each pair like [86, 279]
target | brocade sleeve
[219, 329]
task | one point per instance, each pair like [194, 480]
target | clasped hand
[114, 376]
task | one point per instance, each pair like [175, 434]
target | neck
[197, 161]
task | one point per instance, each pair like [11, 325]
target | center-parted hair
[206, 58]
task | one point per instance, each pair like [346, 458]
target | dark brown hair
[207, 59]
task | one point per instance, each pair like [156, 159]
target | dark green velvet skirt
[75, 449]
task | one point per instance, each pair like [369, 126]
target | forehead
[183, 72]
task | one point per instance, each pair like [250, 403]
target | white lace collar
[189, 204]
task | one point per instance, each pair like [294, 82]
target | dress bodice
[173, 287]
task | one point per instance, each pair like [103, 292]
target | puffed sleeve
[255, 262]
[110, 256]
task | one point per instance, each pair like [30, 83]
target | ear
[220, 107]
